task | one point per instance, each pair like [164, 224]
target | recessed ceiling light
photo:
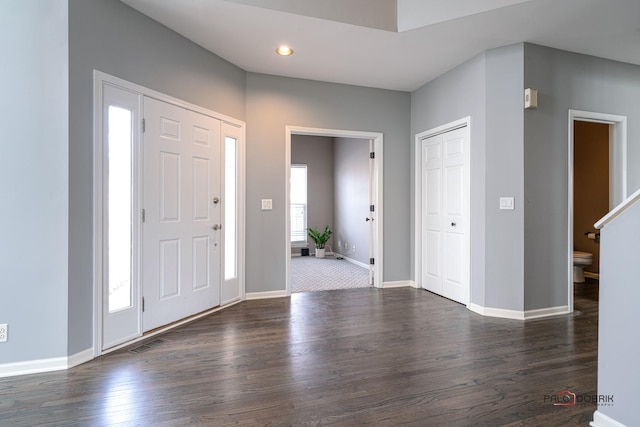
[284, 51]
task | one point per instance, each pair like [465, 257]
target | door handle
[453, 224]
[217, 227]
[368, 219]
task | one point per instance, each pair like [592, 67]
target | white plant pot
[320, 253]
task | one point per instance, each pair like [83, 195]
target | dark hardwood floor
[352, 357]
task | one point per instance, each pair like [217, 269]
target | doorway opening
[347, 198]
[597, 183]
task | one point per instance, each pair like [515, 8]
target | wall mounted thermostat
[530, 99]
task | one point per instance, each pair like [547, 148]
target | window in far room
[298, 204]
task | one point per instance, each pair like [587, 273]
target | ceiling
[393, 44]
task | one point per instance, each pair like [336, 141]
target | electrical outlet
[4, 332]
[354, 248]
[346, 245]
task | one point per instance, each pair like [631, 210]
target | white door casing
[444, 212]
[617, 174]
[376, 187]
[181, 230]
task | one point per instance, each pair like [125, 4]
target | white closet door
[445, 216]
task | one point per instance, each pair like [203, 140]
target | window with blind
[298, 204]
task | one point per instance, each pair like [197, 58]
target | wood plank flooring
[352, 357]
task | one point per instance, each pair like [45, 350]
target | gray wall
[351, 190]
[111, 37]
[618, 372]
[317, 153]
[504, 249]
[565, 81]
[275, 102]
[489, 89]
[452, 96]
[34, 186]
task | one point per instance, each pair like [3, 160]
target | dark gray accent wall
[452, 96]
[565, 81]
[317, 153]
[275, 102]
[351, 189]
[34, 187]
[113, 38]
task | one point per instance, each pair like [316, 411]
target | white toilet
[580, 261]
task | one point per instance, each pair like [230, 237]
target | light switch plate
[507, 203]
[267, 204]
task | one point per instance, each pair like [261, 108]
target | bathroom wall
[591, 185]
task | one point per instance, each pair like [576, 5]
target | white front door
[445, 219]
[181, 257]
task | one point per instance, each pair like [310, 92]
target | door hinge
[144, 125]
[144, 215]
[372, 261]
[372, 155]
[372, 208]
[143, 304]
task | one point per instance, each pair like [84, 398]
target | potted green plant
[320, 239]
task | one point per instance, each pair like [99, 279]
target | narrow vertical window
[230, 208]
[119, 170]
[298, 206]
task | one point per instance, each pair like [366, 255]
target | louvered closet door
[181, 239]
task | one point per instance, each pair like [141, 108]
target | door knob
[215, 200]
[367, 219]
[217, 227]
[453, 224]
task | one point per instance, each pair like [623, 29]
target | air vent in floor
[147, 346]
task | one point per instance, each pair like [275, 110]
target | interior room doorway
[592, 136]
[371, 212]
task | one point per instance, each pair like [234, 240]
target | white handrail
[618, 210]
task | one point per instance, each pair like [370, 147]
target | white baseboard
[265, 295]
[517, 314]
[397, 284]
[601, 420]
[45, 365]
[496, 312]
[80, 358]
[353, 261]
[546, 312]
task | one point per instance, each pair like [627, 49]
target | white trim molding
[399, 284]
[45, 365]
[265, 295]
[496, 312]
[602, 420]
[546, 312]
[519, 314]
